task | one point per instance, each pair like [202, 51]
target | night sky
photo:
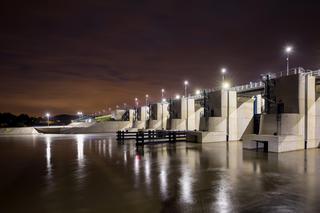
[64, 56]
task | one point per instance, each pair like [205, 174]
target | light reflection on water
[93, 172]
[80, 172]
[186, 184]
[48, 155]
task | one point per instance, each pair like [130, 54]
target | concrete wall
[289, 124]
[219, 123]
[245, 115]
[143, 113]
[312, 140]
[292, 129]
[142, 118]
[118, 114]
[214, 104]
[288, 95]
[159, 111]
[317, 103]
[140, 124]
[180, 110]
[198, 115]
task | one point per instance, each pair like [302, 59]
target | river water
[92, 173]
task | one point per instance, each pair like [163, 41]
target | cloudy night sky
[68, 55]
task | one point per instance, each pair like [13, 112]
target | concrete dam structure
[280, 113]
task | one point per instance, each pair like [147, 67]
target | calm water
[92, 173]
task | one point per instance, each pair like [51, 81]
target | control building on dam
[279, 113]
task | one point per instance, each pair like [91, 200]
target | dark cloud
[73, 55]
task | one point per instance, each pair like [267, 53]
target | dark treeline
[23, 120]
[11, 120]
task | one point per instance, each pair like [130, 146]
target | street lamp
[198, 92]
[186, 83]
[226, 86]
[136, 108]
[162, 93]
[147, 97]
[136, 102]
[48, 117]
[288, 50]
[223, 72]
[79, 114]
[178, 97]
[162, 101]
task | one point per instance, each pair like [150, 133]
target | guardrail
[151, 136]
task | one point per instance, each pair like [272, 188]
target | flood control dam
[279, 113]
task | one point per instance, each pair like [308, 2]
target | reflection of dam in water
[182, 177]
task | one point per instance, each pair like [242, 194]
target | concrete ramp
[87, 128]
[18, 131]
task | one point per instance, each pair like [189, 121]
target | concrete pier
[291, 118]
[159, 115]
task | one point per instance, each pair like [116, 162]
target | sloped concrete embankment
[100, 127]
[18, 131]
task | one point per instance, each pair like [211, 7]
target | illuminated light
[223, 202]
[147, 96]
[80, 145]
[136, 165]
[178, 97]
[225, 85]
[163, 180]
[162, 90]
[186, 82]
[288, 49]
[48, 117]
[185, 182]
[79, 113]
[164, 100]
[223, 70]
[147, 171]
[198, 92]
[48, 154]
[136, 99]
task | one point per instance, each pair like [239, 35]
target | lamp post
[226, 86]
[162, 93]
[186, 83]
[223, 72]
[48, 117]
[288, 50]
[136, 108]
[79, 114]
[147, 97]
[162, 101]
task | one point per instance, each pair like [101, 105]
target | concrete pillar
[142, 117]
[159, 116]
[183, 112]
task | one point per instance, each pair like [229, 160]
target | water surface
[92, 173]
